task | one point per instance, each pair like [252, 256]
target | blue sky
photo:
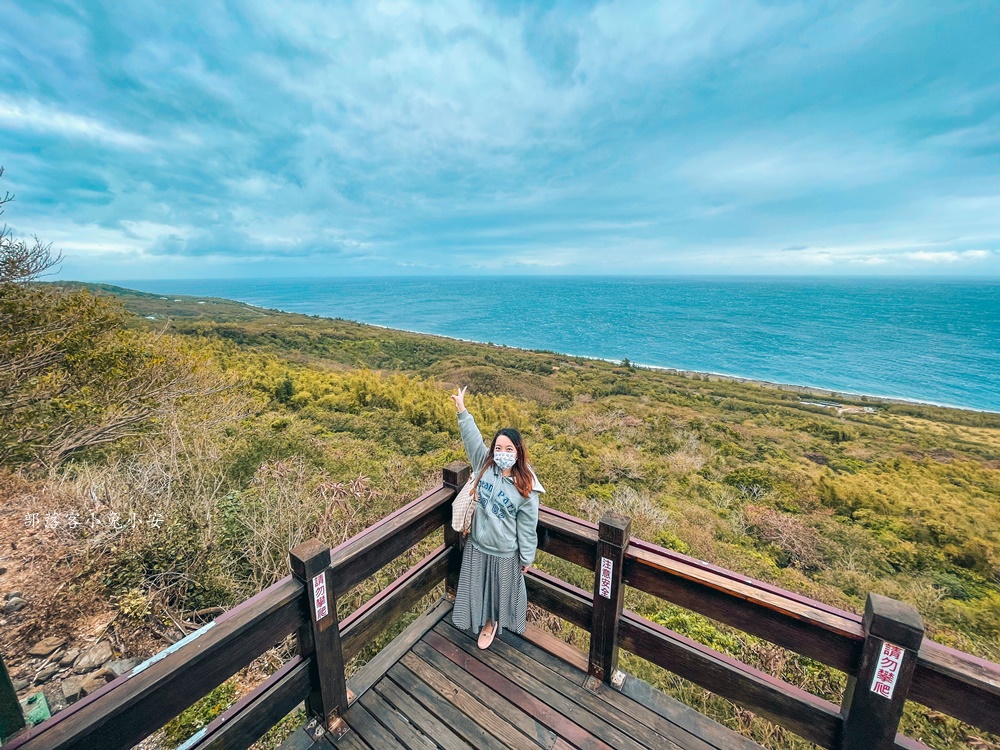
[250, 138]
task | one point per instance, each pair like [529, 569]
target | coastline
[806, 390]
[819, 391]
[810, 390]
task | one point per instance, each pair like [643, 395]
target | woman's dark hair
[523, 480]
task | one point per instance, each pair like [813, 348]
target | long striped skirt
[490, 588]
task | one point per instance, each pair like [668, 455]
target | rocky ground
[57, 635]
[60, 635]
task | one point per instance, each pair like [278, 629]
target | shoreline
[802, 389]
[808, 390]
[813, 390]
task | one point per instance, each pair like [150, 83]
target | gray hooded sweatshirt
[505, 521]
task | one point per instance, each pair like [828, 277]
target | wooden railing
[305, 603]
[944, 679]
[141, 701]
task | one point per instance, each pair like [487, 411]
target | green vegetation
[200, 714]
[904, 501]
[320, 427]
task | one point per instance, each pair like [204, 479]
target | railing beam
[795, 709]
[562, 599]
[133, 706]
[368, 552]
[874, 699]
[383, 610]
[247, 720]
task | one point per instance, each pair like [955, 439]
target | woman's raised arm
[472, 438]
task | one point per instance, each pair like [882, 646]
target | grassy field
[322, 426]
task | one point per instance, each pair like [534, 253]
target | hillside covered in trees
[243, 431]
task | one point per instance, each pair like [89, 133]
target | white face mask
[504, 459]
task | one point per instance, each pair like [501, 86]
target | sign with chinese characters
[887, 669]
[319, 595]
[606, 567]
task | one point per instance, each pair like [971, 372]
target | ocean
[935, 341]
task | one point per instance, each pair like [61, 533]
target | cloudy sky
[252, 138]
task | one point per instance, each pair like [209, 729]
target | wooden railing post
[874, 699]
[11, 717]
[612, 539]
[328, 698]
[455, 475]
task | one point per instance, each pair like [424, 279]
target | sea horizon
[721, 277]
[910, 339]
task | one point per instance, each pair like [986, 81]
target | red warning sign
[319, 595]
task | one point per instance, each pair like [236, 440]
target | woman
[491, 595]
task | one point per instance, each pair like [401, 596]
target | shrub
[200, 715]
[798, 543]
[753, 481]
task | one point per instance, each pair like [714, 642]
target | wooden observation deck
[432, 687]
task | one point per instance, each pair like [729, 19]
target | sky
[257, 139]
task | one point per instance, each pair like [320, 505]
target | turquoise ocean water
[936, 341]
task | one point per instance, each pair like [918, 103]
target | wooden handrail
[251, 716]
[636, 543]
[368, 621]
[782, 620]
[134, 705]
[566, 537]
[959, 684]
[378, 545]
[808, 715]
[560, 598]
[139, 702]
[816, 720]
[946, 680]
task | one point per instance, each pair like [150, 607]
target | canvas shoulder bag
[464, 507]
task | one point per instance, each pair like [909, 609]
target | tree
[20, 261]
[72, 375]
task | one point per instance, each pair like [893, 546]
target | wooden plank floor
[433, 688]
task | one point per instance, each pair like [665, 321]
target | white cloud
[985, 134]
[766, 164]
[91, 241]
[29, 114]
[623, 42]
[436, 79]
[976, 254]
[149, 232]
[687, 135]
[948, 256]
[893, 255]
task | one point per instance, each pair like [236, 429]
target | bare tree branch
[22, 261]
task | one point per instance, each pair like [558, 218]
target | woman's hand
[524, 569]
[459, 398]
